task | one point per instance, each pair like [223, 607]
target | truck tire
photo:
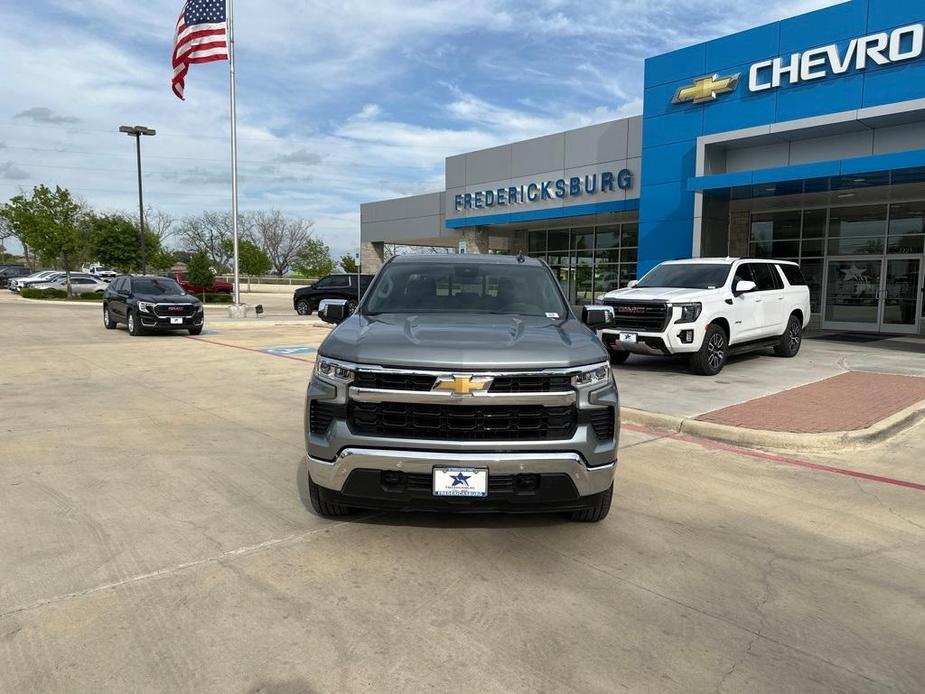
[595, 513]
[791, 340]
[303, 307]
[322, 507]
[197, 330]
[618, 356]
[710, 359]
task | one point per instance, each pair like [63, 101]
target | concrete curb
[757, 438]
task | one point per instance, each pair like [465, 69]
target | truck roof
[724, 261]
[466, 258]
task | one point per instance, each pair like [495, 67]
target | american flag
[202, 36]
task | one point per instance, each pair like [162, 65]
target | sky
[339, 103]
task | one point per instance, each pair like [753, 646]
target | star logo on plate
[462, 479]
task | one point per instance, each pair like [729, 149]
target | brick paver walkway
[847, 402]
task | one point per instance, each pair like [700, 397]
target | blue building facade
[803, 139]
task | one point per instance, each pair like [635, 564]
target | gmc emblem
[175, 309]
[631, 309]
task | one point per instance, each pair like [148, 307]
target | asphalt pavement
[155, 536]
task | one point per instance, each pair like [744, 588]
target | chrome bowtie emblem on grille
[706, 89]
[463, 385]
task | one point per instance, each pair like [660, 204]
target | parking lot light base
[237, 311]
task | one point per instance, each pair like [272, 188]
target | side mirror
[333, 310]
[598, 317]
[744, 287]
[632, 284]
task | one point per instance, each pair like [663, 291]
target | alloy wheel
[794, 335]
[716, 349]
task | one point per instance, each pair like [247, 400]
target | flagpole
[234, 152]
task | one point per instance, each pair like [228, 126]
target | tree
[313, 259]
[281, 238]
[48, 221]
[113, 241]
[252, 260]
[199, 270]
[7, 232]
[349, 264]
[211, 233]
[160, 224]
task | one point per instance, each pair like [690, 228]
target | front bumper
[152, 322]
[683, 338]
[335, 475]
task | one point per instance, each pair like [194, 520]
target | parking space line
[775, 458]
[249, 349]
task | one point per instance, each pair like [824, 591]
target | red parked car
[218, 286]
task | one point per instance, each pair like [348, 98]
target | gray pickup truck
[463, 383]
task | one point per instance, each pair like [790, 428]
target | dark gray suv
[462, 383]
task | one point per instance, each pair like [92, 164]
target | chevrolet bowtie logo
[706, 89]
[464, 385]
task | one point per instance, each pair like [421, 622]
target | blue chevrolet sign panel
[858, 55]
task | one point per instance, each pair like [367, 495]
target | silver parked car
[41, 276]
[80, 284]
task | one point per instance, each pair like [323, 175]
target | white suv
[710, 308]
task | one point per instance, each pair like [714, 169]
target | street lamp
[137, 131]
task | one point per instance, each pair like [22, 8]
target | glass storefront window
[583, 239]
[609, 255]
[629, 235]
[907, 218]
[608, 237]
[856, 246]
[814, 223]
[863, 221]
[558, 240]
[536, 242]
[629, 255]
[812, 272]
[812, 248]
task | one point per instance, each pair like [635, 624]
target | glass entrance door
[901, 293]
[873, 295]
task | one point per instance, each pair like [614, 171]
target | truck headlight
[689, 312]
[590, 375]
[146, 307]
[331, 370]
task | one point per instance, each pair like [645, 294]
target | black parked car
[151, 303]
[9, 272]
[305, 300]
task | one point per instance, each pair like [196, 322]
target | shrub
[29, 293]
[95, 296]
[218, 298]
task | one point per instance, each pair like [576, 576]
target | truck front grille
[647, 317]
[388, 380]
[168, 310]
[463, 422]
[539, 383]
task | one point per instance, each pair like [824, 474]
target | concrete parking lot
[155, 536]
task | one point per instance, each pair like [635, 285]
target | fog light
[526, 483]
[393, 479]
[687, 336]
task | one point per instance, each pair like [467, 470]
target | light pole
[137, 131]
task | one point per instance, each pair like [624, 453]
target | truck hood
[661, 294]
[464, 342]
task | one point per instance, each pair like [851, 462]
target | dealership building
[801, 140]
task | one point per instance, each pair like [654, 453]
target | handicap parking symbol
[288, 351]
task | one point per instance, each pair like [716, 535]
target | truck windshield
[687, 276]
[489, 288]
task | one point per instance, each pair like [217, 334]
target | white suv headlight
[689, 312]
[338, 371]
[591, 375]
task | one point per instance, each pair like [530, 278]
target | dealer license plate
[460, 481]
[628, 337]
[176, 320]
